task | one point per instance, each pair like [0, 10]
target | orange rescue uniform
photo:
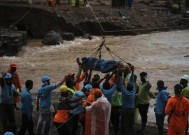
[61, 116]
[177, 108]
[16, 82]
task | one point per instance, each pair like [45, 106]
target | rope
[18, 20]
[139, 29]
[115, 54]
[51, 133]
[96, 18]
[21, 17]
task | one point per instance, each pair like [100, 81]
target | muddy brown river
[161, 55]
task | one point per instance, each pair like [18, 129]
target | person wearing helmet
[177, 109]
[86, 89]
[185, 92]
[7, 93]
[73, 94]
[65, 104]
[96, 80]
[184, 82]
[99, 113]
[9, 133]
[44, 103]
[78, 112]
[16, 81]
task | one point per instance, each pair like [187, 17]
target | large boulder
[52, 38]
[11, 42]
[67, 36]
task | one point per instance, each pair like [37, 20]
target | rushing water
[159, 54]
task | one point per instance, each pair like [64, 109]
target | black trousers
[63, 128]
[127, 122]
[27, 124]
[143, 110]
[115, 118]
[160, 123]
[7, 117]
[74, 124]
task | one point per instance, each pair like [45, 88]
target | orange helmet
[13, 65]
[97, 92]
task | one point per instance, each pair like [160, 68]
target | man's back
[178, 108]
[44, 93]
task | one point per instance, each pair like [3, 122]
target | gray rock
[67, 36]
[87, 36]
[11, 42]
[52, 38]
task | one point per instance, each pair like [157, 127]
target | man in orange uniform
[16, 81]
[15, 76]
[177, 108]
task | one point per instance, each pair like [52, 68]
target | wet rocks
[87, 36]
[11, 42]
[52, 38]
[67, 36]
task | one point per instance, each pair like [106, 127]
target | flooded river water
[161, 55]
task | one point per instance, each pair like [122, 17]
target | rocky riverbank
[39, 18]
[144, 17]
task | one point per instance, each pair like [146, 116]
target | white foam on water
[65, 46]
[11, 57]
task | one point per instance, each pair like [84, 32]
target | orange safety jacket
[61, 116]
[177, 108]
[16, 82]
[63, 109]
[15, 79]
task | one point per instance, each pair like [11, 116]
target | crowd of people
[111, 100]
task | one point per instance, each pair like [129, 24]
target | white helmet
[185, 77]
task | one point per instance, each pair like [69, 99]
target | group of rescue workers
[112, 100]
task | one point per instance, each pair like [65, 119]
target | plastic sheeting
[98, 117]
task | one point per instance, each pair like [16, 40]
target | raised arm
[61, 82]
